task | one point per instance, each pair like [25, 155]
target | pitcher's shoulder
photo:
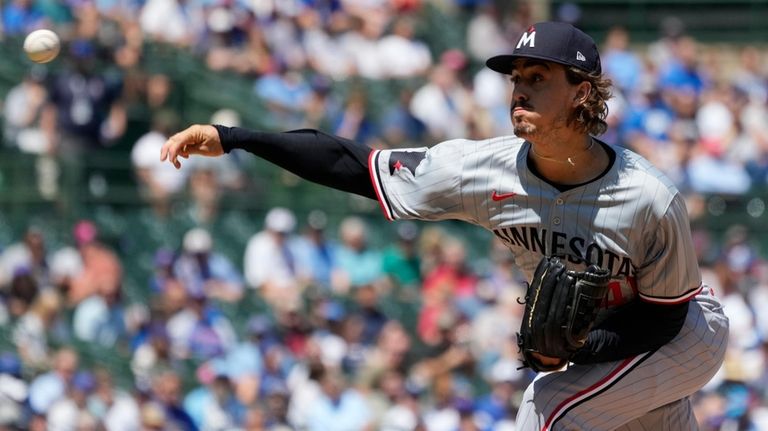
[639, 171]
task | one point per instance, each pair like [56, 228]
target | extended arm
[313, 155]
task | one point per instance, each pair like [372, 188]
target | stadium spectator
[367, 307]
[340, 407]
[303, 381]
[493, 330]
[385, 391]
[286, 94]
[718, 130]
[162, 266]
[85, 104]
[246, 358]
[271, 261]
[361, 45]
[152, 354]
[166, 395]
[448, 288]
[401, 261]
[206, 272]
[327, 319]
[491, 93]
[19, 296]
[29, 256]
[485, 33]
[172, 21]
[662, 50]
[400, 53]
[620, 63]
[403, 413]
[101, 317]
[205, 190]
[353, 332]
[214, 405]
[37, 328]
[443, 412]
[399, 127]
[317, 251]
[199, 330]
[70, 412]
[14, 391]
[159, 183]
[278, 362]
[19, 17]
[359, 263]
[354, 121]
[324, 45]
[442, 104]
[497, 408]
[102, 269]
[683, 72]
[116, 408]
[392, 351]
[48, 387]
[23, 114]
[276, 401]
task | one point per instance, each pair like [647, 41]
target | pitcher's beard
[523, 129]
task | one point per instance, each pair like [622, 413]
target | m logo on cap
[528, 38]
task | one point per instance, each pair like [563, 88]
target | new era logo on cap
[552, 41]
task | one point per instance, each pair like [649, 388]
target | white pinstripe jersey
[632, 220]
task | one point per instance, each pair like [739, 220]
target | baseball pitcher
[616, 315]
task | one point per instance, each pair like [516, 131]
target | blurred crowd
[349, 336]
[344, 334]
[697, 111]
[323, 330]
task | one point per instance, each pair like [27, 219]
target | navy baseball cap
[558, 42]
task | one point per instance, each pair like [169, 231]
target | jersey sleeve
[670, 274]
[420, 183]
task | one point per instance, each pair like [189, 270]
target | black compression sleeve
[635, 328]
[311, 154]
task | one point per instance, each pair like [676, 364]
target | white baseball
[42, 46]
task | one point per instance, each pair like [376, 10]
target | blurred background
[231, 295]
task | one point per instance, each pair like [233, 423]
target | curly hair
[590, 116]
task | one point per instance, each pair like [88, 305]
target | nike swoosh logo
[500, 197]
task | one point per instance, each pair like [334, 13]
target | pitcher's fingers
[166, 149]
[172, 146]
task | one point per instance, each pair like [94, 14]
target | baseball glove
[560, 309]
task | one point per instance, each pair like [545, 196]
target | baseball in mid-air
[42, 45]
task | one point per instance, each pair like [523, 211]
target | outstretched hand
[198, 139]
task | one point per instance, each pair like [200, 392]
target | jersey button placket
[557, 211]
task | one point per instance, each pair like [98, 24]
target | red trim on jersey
[685, 297]
[616, 374]
[377, 186]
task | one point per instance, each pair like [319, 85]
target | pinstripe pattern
[631, 220]
[601, 386]
[653, 388]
